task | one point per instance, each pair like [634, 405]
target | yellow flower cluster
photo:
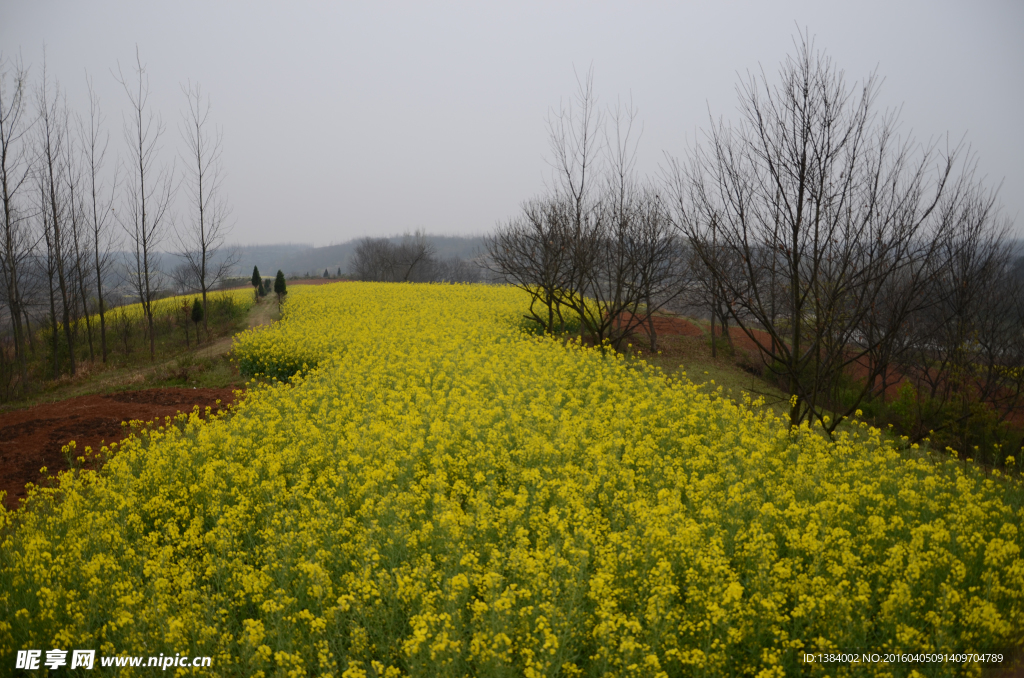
[318, 324]
[167, 306]
[439, 494]
[172, 305]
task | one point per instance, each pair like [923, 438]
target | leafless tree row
[14, 177]
[853, 257]
[831, 238]
[68, 212]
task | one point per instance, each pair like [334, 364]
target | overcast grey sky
[344, 119]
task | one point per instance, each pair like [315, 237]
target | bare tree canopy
[149, 190]
[600, 247]
[60, 197]
[413, 259]
[964, 348]
[57, 208]
[202, 235]
[15, 168]
[807, 213]
[94, 143]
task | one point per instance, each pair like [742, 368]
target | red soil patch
[859, 371]
[741, 341]
[33, 437]
[666, 325]
[680, 326]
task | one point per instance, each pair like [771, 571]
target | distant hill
[301, 259]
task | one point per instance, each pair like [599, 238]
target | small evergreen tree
[256, 280]
[262, 289]
[184, 312]
[197, 315]
[280, 288]
[326, 275]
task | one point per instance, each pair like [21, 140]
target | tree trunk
[56, 332]
[102, 310]
[85, 305]
[28, 331]
[714, 305]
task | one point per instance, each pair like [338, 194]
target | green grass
[204, 366]
[692, 356]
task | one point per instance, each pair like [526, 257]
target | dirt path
[263, 313]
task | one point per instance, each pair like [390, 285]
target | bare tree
[53, 157]
[149, 192]
[544, 250]
[534, 253]
[662, 265]
[822, 207]
[574, 135]
[14, 170]
[701, 295]
[627, 262]
[455, 269]
[203, 235]
[413, 259]
[79, 266]
[371, 260]
[602, 245]
[380, 260]
[185, 278]
[100, 205]
[51, 255]
[124, 329]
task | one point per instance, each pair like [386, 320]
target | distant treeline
[298, 260]
[412, 259]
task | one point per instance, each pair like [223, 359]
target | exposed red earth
[740, 339]
[33, 437]
[667, 325]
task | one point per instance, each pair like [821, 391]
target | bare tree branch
[807, 214]
[149, 190]
[14, 171]
[202, 236]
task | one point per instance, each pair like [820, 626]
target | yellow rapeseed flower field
[436, 493]
[172, 305]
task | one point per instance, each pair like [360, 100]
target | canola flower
[172, 305]
[167, 306]
[438, 494]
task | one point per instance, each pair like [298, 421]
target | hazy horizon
[348, 121]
